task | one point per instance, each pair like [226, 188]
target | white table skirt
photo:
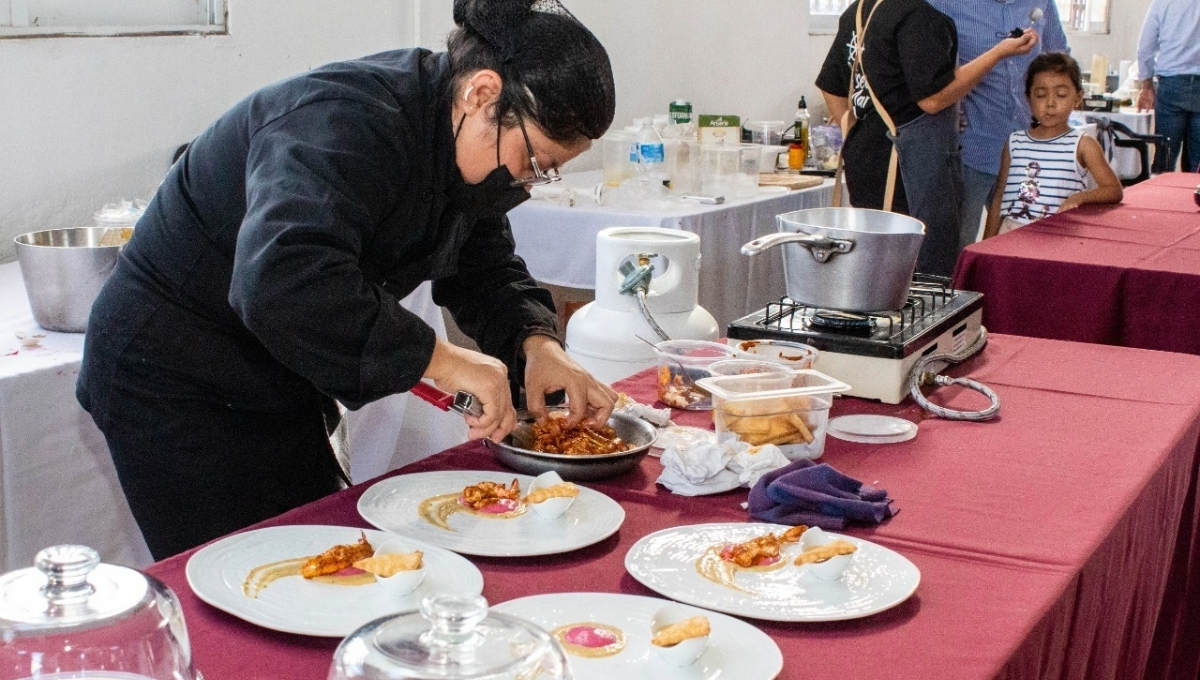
[57, 481]
[558, 243]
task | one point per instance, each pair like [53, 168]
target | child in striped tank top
[1045, 169]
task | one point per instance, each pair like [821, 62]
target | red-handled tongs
[463, 402]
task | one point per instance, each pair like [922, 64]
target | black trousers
[193, 472]
[195, 466]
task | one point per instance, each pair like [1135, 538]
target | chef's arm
[493, 299]
[967, 76]
[296, 281]
[839, 110]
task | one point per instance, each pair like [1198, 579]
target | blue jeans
[1177, 117]
[931, 168]
[977, 195]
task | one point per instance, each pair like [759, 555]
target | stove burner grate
[927, 295]
[847, 322]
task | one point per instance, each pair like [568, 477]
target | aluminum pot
[851, 259]
[64, 270]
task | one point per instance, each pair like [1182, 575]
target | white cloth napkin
[657, 416]
[713, 468]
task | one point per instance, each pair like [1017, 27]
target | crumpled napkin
[814, 494]
[657, 416]
[713, 468]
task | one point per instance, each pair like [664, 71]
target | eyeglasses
[540, 177]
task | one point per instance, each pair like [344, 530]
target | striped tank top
[1041, 175]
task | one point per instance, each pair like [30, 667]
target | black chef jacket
[268, 268]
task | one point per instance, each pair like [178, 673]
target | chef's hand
[453, 368]
[549, 369]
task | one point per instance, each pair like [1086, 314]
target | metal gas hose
[926, 372]
[637, 282]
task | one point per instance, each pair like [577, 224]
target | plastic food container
[794, 355]
[680, 364]
[794, 418]
[772, 375]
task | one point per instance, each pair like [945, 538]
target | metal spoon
[1035, 15]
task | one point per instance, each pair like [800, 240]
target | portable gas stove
[875, 353]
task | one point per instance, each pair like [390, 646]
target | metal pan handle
[820, 246]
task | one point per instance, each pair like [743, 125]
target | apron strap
[857, 68]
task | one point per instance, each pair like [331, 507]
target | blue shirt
[1170, 42]
[997, 106]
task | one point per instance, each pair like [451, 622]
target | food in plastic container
[791, 354]
[793, 418]
[680, 364]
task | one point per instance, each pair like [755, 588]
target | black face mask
[495, 195]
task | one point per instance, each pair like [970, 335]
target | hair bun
[497, 21]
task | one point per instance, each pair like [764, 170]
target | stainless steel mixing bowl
[514, 453]
[64, 270]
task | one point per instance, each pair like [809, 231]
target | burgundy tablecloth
[1046, 539]
[1121, 275]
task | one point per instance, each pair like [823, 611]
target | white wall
[84, 121]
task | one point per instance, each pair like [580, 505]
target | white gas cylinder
[605, 336]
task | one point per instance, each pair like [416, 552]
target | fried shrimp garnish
[390, 565]
[671, 635]
[337, 558]
[825, 552]
[761, 550]
[564, 490]
[554, 436]
[484, 494]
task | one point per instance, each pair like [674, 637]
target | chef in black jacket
[264, 280]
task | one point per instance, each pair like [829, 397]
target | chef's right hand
[453, 368]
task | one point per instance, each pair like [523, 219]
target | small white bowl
[29, 340]
[551, 508]
[685, 653]
[402, 582]
[832, 568]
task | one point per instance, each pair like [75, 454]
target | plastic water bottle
[650, 158]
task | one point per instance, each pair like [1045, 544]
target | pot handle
[821, 247]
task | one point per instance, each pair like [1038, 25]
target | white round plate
[296, 605]
[392, 505]
[877, 579]
[736, 650]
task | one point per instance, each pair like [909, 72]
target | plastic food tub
[794, 418]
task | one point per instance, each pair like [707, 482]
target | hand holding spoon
[1035, 15]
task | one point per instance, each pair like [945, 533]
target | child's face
[1052, 99]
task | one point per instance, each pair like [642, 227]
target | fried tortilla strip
[564, 490]
[825, 552]
[801, 427]
[671, 635]
[337, 558]
[390, 565]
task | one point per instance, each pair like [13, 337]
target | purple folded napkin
[816, 495]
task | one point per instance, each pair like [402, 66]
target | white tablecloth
[57, 482]
[558, 242]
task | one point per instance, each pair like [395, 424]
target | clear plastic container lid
[872, 429]
[742, 387]
[119, 214]
[451, 638]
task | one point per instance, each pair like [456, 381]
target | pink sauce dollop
[587, 636]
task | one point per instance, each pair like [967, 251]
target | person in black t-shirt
[909, 57]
